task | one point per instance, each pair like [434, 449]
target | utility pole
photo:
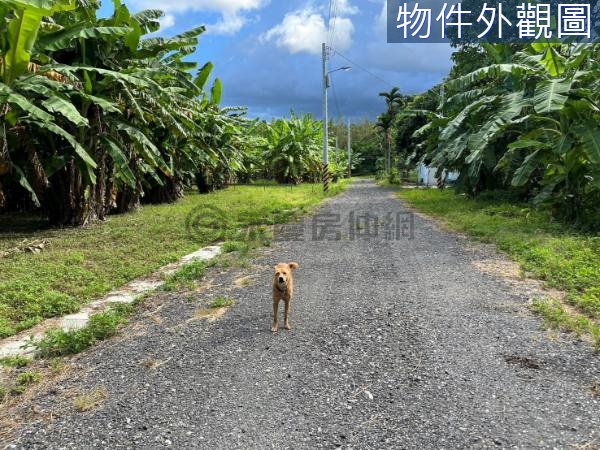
[389, 157]
[349, 150]
[326, 86]
[325, 122]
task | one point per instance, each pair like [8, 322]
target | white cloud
[344, 8]
[167, 21]
[232, 11]
[305, 31]
[381, 22]
[229, 24]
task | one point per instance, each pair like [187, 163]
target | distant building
[426, 176]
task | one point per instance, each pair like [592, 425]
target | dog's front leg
[275, 326]
[288, 304]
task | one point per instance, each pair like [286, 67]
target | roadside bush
[394, 176]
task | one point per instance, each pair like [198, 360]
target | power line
[334, 19]
[363, 69]
[333, 10]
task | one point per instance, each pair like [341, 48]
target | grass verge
[69, 267]
[548, 250]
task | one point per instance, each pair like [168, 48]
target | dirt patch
[510, 272]
[210, 314]
[90, 400]
[244, 281]
[497, 267]
[152, 364]
[206, 286]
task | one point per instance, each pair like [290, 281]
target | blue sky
[268, 53]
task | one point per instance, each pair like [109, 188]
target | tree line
[100, 115]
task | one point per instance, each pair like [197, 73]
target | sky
[268, 53]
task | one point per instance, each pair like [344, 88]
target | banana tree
[292, 148]
[30, 99]
[531, 123]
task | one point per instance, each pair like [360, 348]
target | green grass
[221, 302]
[80, 264]
[101, 326]
[548, 250]
[27, 378]
[236, 246]
[15, 362]
[187, 275]
[556, 316]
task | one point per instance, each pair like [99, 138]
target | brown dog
[283, 289]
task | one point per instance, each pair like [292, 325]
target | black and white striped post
[325, 177]
[325, 121]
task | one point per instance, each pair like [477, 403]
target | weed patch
[90, 400]
[221, 302]
[556, 316]
[28, 377]
[16, 362]
[187, 275]
[236, 246]
[595, 387]
[101, 326]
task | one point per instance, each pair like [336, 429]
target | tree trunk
[204, 187]
[67, 202]
[170, 192]
[128, 199]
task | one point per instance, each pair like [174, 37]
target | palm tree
[385, 122]
[394, 100]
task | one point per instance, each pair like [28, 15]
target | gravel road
[396, 343]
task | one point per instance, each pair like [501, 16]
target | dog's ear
[293, 265]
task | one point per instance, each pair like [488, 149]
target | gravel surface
[395, 344]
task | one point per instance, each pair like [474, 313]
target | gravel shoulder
[396, 343]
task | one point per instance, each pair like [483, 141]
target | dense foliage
[98, 115]
[524, 118]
